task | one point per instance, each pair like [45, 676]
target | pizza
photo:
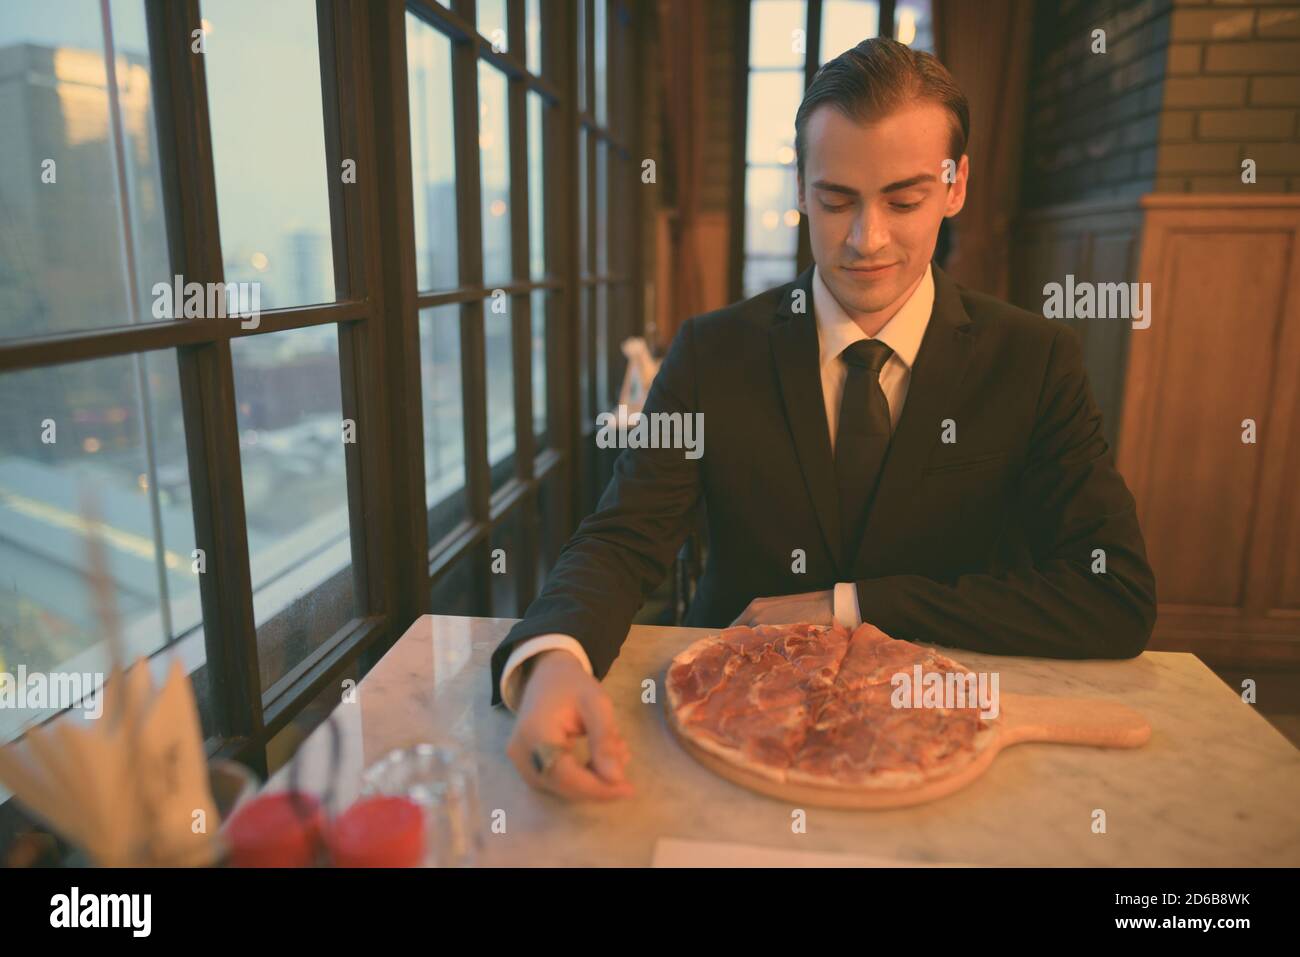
[813, 705]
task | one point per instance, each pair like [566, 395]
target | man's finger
[568, 778]
[602, 735]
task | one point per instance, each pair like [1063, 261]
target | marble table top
[1216, 785]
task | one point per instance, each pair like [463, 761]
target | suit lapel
[796, 354]
[938, 371]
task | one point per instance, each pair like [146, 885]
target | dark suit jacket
[988, 543]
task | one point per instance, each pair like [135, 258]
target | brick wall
[1186, 90]
[1232, 92]
[1094, 119]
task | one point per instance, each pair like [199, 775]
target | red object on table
[276, 830]
[380, 831]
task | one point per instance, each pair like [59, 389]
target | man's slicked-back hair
[877, 77]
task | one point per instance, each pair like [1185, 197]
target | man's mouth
[870, 270]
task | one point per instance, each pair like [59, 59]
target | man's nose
[869, 233]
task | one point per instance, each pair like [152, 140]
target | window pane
[500, 391]
[602, 207]
[773, 102]
[433, 164]
[291, 435]
[584, 357]
[584, 221]
[913, 26]
[282, 747]
[763, 274]
[551, 508]
[268, 146]
[600, 30]
[620, 328]
[455, 593]
[616, 217]
[442, 402]
[508, 536]
[494, 167]
[777, 34]
[845, 24]
[771, 211]
[95, 449]
[602, 349]
[533, 33]
[81, 198]
[582, 53]
[491, 16]
[540, 352]
[536, 188]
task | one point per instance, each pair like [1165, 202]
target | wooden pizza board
[1102, 724]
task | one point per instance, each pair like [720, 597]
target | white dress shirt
[835, 332]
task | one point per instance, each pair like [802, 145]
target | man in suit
[882, 445]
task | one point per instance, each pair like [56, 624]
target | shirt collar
[902, 333]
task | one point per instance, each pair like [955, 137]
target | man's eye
[835, 209]
[905, 206]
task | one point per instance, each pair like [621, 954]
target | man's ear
[798, 182]
[956, 198]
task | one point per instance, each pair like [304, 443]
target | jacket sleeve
[622, 551]
[1071, 502]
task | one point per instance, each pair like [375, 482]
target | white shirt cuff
[847, 612]
[512, 678]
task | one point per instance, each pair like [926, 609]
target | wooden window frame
[367, 118]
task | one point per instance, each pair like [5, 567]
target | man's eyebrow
[890, 188]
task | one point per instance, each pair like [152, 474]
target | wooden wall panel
[1219, 515]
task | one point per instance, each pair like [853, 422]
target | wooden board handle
[1105, 724]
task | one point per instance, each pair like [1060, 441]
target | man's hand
[814, 607]
[561, 703]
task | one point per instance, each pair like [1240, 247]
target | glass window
[777, 33]
[81, 198]
[550, 508]
[584, 238]
[494, 166]
[773, 101]
[536, 188]
[533, 35]
[913, 24]
[845, 24]
[585, 295]
[763, 274]
[602, 207]
[291, 441]
[497, 338]
[268, 145]
[601, 35]
[456, 592]
[491, 16]
[771, 211]
[92, 450]
[433, 164]
[540, 352]
[286, 742]
[603, 403]
[508, 537]
[442, 402]
[582, 55]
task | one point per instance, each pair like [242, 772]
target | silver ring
[544, 757]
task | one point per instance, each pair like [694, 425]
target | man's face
[875, 195]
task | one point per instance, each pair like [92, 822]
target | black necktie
[862, 438]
